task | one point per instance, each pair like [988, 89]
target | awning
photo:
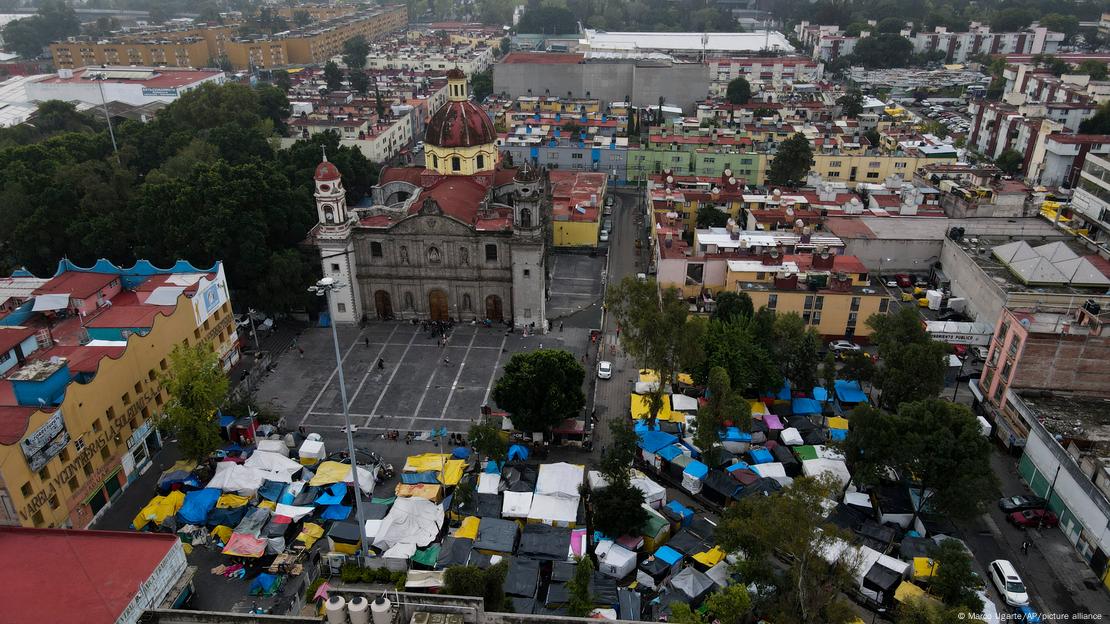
[47, 303]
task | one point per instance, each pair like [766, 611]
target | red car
[903, 280]
[1034, 518]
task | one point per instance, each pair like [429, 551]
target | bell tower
[529, 250]
[334, 241]
[331, 199]
[526, 198]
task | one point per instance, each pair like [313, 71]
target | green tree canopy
[196, 385]
[891, 25]
[1010, 161]
[731, 306]
[1058, 22]
[618, 458]
[617, 509]
[851, 103]
[333, 76]
[792, 161]
[54, 20]
[882, 51]
[485, 436]
[1012, 19]
[711, 216]
[955, 581]
[547, 19]
[581, 602]
[739, 91]
[913, 364]
[487, 584]
[1099, 123]
[540, 389]
[1093, 68]
[796, 350]
[481, 85]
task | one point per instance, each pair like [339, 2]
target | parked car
[841, 348]
[1008, 583]
[604, 237]
[980, 353]
[891, 284]
[1010, 504]
[948, 314]
[960, 351]
[1034, 519]
[604, 370]
[903, 280]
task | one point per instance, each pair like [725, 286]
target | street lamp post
[326, 287]
[100, 77]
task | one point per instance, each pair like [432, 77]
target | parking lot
[422, 385]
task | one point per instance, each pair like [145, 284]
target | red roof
[544, 58]
[127, 316]
[75, 576]
[848, 264]
[1079, 138]
[457, 196]
[12, 336]
[77, 284]
[81, 359]
[460, 124]
[326, 171]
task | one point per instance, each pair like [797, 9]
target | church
[461, 238]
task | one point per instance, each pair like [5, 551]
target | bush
[351, 573]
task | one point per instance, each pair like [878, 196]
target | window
[1007, 368]
[491, 252]
[872, 175]
[79, 444]
[817, 318]
[138, 388]
[676, 159]
[151, 375]
[834, 174]
[96, 426]
[745, 161]
[998, 392]
[855, 304]
[64, 455]
[809, 302]
[874, 164]
[883, 303]
[53, 501]
[805, 317]
[772, 301]
[899, 165]
[25, 490]
[44, 473]
[481, 161]
[527, 272]
[819, 304]
[456, 163]
[435, 161]
[162, 365]
[334, 267]
[834, 163]
[37, 518]
[760, 275]
[375, 249]
[852, 316]
[434, 257]
[73, 485]
[709, 160]
[340, 307]
[576, 156]
[126, 398]
[110, 413]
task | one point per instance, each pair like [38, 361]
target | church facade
[461, 238]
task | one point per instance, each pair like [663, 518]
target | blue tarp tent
[784, 392]
[336, 512]
[739, 466]
[733, 434]
[652, 441]
[849, 392]
[413, 478]
[333, 495]
[492, 468]
[820, 394]
[183, 479]
[838, 435]
[642, 425]
[683, 512]
[761, 456]
[668, 555]
[806, 406]
[271, 490]
[696, 469]
[460, 452]
[197, 505]
[517, 451]
[264, 585]
[669, 452]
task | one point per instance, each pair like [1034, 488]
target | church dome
[326, 171]
[460, 124]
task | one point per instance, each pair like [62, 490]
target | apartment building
[1090, 203]
[958, 47]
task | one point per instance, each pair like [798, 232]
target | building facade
[462, 238]
[1091, 201]
[78, 408]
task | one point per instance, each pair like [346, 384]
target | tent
[197, 505]
[677, 513]
[773, 470]
[411, 521]
[540, 541]
[655, 495]
[790, 436]
[615, 560]
[312, 452]
[271, 490]
[158, 509]
[488, 483]
[556, 510]
[276, 467]
[517, 453]
[683, 403]
[836, 422]
[417, 478]
[629, 606]
[481, 505]
[496, 536]
[882, 579]
[265, 585]
[790, 464]
[452, 472]
[720, 488]
[310, 533]
[336, 512]
[560, 479]
[330, 472]
[454, 551]
[653, 571]
[694, 584]
[460, 452]
[849, 392]
[247, 540]
[686, 542]
[469, 528]
[294, 513]
[179, 476]
[760, 456]
[773, 422]
[805, 406]
[227, 517]
[426, 491]
[836, 468]
[523, 577]
[426, 461]
[231, 477]
[711, 557]
[641, 409]
[343, 537]
[516, 504]
[654, 441]
[332, 495]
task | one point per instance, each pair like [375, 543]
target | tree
[302, 18]
[53, 21]
[541, 389]
[828, 375]
[792, 527]
[935, 446]
[273, 105]
[196, 385]
[873, 137]
[710, 418]
[158, 14]
[851, 103]
[731, 306]
[763, 111]
[1099, 123]
[481, 85]
[618, 509]
[620, 455]
[578, 587]
[485, 436]
[1010, 161]
[1012, 19]
[739, 91]
[360, 82]
[796, 348]
[736, 346]
[730, 605]
[882, 51]
[355, 51]
[891, 25]
[548, 20]
[711, 216]
[333, 76]
[858, 366]
[913, 364]
[955, 581]
[505, 46]
[1093, 68]
[487, 584]
[791, 162]
[922, 610]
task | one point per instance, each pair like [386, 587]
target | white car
[845, 346]
[604, 236]
[1008, 583]
[980, 353]
[891, 284]
[604, 370]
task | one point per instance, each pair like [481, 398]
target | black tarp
[687, 543]
[763, 487]
[702, 528]
[557, 595]
[497, 535]
[344, 532]
[628, 604]
[662, 604]
[307, 496]
[882, 579]
[482, 506]
[878, 533]
[785, 456]
[376, 511]
[721, 483]
[540, 541]
[758, 426]
[562, 571]
[519, 478]
[603, 589]
[523, 577]
[523, 606]
[656, 568]
[916, 547]
[480, 559]
[454, 551]
[846, 516]
[227, 517]
[815, 436]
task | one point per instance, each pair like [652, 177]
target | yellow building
[77, 411]
[675, 199]
[193, 47]
[873, 168]
[577, 216]
[832, 293]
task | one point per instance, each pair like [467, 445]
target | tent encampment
[411, 521]
[615, 560]
[694, 584]
[496, 536]
[516, 504]
[539, 541]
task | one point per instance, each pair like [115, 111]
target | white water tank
[381, 610]
[336, 610]
[359, 610]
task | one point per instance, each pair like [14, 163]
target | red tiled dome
[326, 171]
[456, 74]
[460, 124]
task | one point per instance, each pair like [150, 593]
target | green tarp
[427, 556]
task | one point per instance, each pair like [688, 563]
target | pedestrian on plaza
[300, 351]
[446, 360]
[300, 430]
[381, 364]
[1025, 548]
[560, 326]
[366, 341]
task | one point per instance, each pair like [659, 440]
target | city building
[416, 50]
[131, 85]
[1062, 157]
[577, 199]
[312, 44]
[997, 126]
[1091, 201]
[696, 45]
[460, 238]
[97, 577]
[958, 47]
[826, 42]
[81, 391]
[773, 71]
[675, 199]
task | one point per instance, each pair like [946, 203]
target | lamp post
[100, 77]
[325, 288]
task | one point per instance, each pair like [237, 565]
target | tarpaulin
[453, 472]
[617, 561]
[414, 478]
[552, 509]
[454, 551]
[221, 532]
[686, 542]
[522, 578]
[805, 452]
[293, 513]
[835, 468]
[773, 422]
[488, 483]
[517, 453]
[231, 477]
[332, 495]
[733, 434]
[560, 479]
[411, 521]
[424, 579]
[496, 536]
[677, 512]
[492, 468]
[158, 509]
[231, 501]
[343, 537]
[640, 404]
[277, 467]
[247, 540]
[180, 473]
[629, 604]
[460, 452]
[838, 435]
[426, 491]
[197, 506]
[836, 422]
[577, 543]
[695, 585]
[468, 528]
[426, 461]
[540, 541]
[309, 534]
[271, 490]
[268, 505]
[805, 406]
[820, 394]
[696, 469]
[668, 555]
[336, 512]
[334, 472]
[668, 453]
[229, 517]
[652, 441]
[400, 551]
[648, 375]
[264, 585]
[760, 456]
[849, 392]
[516, 504]
[711, 557]
[683, 403]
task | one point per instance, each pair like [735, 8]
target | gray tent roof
[692, 583]
[544, 542]
[497, 535]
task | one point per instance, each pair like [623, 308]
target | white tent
[683, 403]
[372, 528]
[231, 477]
[516, 504]
[488, 483]
[312, 449]
[290, 511]
[411, 521]
[772, 470]
[554, 510]
[655, 495]
[560, 479]
[596, 480]
[47, 303]
[833, 467]
[400, 551]
[277, 467]
[617, 562]
[858, 499]
[273, 446]
[791, 437]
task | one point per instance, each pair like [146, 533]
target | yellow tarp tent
[184, 465]
[330, 472]
[641, 410]
[924, 567]
[836, 422]
[231, 501]
[222, 533]
[469, 528]
[419, 490]
[648, 376]
[158, 509]
[271, 505]
[428, 461]
[711, 557]
[759, 408]
[310, 532]
[684, 378]
[452, 472]
[908, 592]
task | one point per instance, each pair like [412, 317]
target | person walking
[366, 341]
[381, 364]
[300, 350]
[1025, 548]
[446, 360]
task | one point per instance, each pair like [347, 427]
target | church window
[525, 217]
[491, 252]
[464, 256]
[375, 249]
[341, 307]
[334, 267]
[527, 272]
[435, 161]
[433, 255]
[404, 254]
[456, 163]
[466, 303]
[408, 301]
[481, 161]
